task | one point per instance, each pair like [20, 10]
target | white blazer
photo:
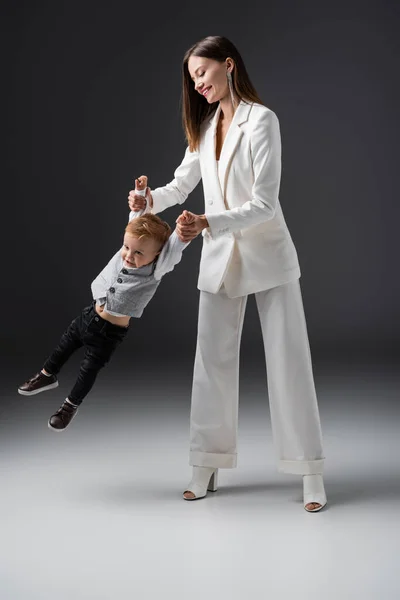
[247, 245]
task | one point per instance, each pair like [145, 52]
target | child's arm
[172, 250]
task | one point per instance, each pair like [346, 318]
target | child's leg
[95, 358]
[101, 341]
[71, 339]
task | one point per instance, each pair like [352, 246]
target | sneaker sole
[50, 426]
[54, 429]
[42, 389]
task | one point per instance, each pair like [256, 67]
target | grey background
[94, 101]
[90, 97]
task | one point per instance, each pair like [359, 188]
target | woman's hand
[189, 225]
[137, 202]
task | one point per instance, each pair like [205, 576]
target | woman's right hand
[137, 202]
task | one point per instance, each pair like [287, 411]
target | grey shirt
[127, 291]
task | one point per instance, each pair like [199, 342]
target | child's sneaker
[63, 417]
[38, 383]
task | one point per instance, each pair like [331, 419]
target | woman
[234, 147]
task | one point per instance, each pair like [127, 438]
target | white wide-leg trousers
[294, 412]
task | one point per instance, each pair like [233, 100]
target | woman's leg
[214, 409]
[293, 402]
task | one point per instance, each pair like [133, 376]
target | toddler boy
[121, 291]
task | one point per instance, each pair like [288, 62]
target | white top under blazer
[247, 246]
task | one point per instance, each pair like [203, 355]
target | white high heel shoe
[313, 492]
[204, 479]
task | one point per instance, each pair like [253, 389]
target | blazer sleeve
[186, 177]
[265, 144]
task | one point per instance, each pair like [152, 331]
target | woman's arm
[265, 146]
[186, 177]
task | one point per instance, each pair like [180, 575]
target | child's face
[137, 252]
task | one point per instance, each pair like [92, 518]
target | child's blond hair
[151, 227]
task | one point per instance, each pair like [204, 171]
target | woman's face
[209, 78]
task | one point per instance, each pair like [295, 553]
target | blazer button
[119, 280]
[124, 271]
[112, 290]
[210, 202]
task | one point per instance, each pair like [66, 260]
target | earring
[230, 85]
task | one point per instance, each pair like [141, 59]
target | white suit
[247, 249]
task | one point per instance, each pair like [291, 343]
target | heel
[213, 483]
[204, 479]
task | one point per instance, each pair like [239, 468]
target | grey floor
[96, 512]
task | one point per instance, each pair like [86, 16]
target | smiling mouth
[205, 92]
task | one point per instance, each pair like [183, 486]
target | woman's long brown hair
[195, 108]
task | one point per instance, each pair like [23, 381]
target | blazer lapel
[234, 133]
[209, 152]
[231, 141]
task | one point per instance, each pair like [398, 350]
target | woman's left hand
[189, 225]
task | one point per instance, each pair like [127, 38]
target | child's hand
[186, 218]
[141, 183]
[189, 225]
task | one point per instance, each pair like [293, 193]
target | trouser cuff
[301, 467]
[211, 459]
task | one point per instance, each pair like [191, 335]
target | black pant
[100, 339]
